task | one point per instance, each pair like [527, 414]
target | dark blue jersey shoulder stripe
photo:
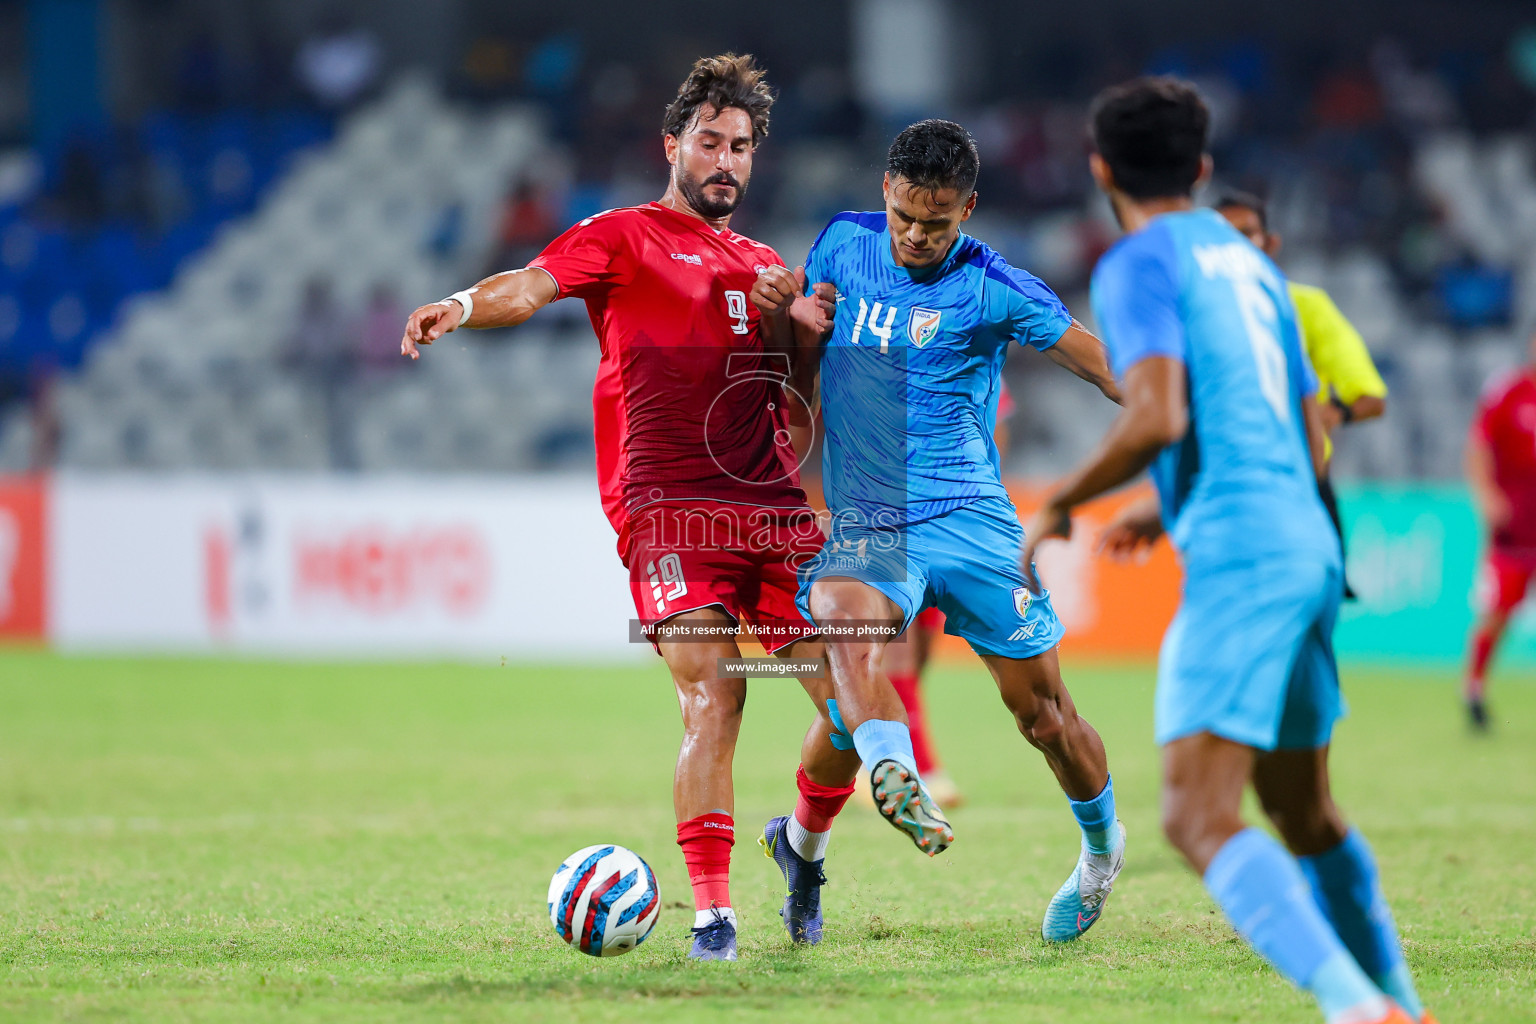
[874, 221]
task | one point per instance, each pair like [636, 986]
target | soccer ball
[603, 900]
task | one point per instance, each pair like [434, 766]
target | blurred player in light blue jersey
[910, 379]
[1206, 347]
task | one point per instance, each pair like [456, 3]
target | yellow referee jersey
[1338, 353]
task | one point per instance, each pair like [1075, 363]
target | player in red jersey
[693, 408]
[1501, 468]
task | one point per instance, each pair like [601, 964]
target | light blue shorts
[965, 562]
[1249, 656]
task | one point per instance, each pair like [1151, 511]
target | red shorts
[740, 558]
[930, 619]
[1505, 579]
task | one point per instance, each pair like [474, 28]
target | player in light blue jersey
[910, 377]
[1216, 390]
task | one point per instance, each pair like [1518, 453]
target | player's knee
[714, 718]
[1039, 718]
[1044, 726]
[712, 710]
[1181, 826]
[831, 603]
[1189, 823]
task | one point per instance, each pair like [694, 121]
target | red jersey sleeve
[587, 259]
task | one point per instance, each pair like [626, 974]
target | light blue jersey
[1249, 656]
[911, 375]
[1189, 286]
[910, 381]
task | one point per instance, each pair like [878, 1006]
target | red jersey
[687, 403]
[1506, 423]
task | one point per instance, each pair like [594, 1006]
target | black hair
[934, 155]
[1152, 133]
[724, 81]
[1244, 201]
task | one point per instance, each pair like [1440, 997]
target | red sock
[1482, 652]
[706, 842]
[917, 722]
[818, 804]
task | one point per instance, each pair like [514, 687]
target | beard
[693, 191]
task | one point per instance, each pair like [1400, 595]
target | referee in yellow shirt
[1350, 388]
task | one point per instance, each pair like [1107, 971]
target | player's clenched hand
[817, 308]
[776, 289]
[1131, 534]
[427, 324]
[1051, 521]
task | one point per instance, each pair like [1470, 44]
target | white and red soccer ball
[603, 900]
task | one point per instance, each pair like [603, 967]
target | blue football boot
[716, 940]
[803, 880]
[1079, 902]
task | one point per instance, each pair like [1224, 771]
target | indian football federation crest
[1021, 599]
[923, 326]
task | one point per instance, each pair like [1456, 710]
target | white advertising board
[378, 566]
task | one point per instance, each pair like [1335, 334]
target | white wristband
[467, 301]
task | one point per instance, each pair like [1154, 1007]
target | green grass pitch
[229, 841]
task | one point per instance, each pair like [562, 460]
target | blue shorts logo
[923, 326]
[1021, 599]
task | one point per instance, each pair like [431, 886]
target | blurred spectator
[318, 344]
[318, 349]
[1346, 98]
[527, 225]
[1475, 296]
[1522, 56]
[446, 232]
[79, 197]
[490, 67]
[1419, 100]
[47, 427]
[377, 333]
[200, 74]
[337, 64]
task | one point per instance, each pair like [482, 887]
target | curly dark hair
[724, 81]
[934, 155]
[1152, 133]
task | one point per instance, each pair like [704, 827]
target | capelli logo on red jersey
[688, 257]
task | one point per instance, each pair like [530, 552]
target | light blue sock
[1265, 896]
[1347, 887]
[879, 739]
[1096, 817]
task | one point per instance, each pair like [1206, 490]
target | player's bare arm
[1317, 438]
[1366, 407]
[501, 300]
[1486, 495]
[1337, 413]
[1084, 354]
[1155, 415]
[795, 322]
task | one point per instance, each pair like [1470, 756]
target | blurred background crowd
[215, 214]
